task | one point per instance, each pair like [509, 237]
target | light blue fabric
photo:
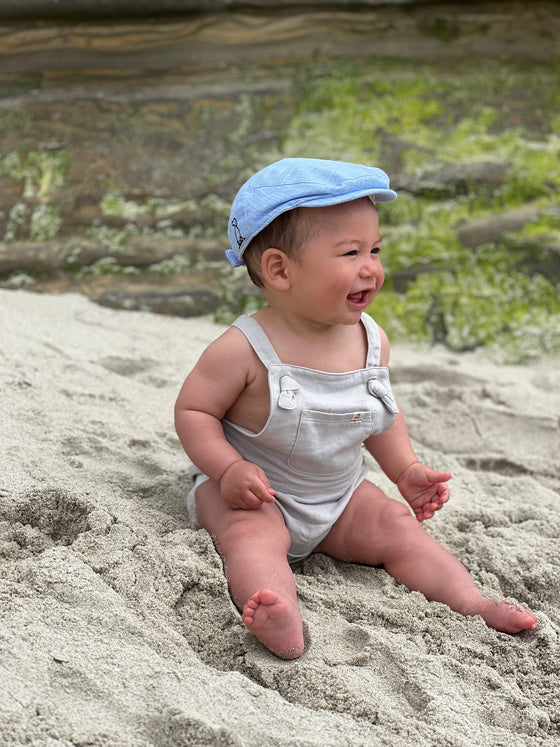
[311, 445]
[298, 182]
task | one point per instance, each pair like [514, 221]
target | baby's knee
[256, 527]
[395, 511]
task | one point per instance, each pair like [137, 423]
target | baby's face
[338, 273]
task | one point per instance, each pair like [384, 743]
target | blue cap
[298, 182]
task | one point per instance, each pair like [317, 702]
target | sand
[116, 624]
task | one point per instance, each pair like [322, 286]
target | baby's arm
[209, 391]
[422, 487]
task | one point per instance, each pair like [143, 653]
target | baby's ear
[273, 268]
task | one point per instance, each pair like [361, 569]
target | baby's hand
[424, 489]
[244, 485]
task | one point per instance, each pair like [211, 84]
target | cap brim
[381, 195]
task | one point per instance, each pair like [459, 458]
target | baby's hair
[288, 232]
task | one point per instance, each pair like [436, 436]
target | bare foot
[508, 616]
[275, 620]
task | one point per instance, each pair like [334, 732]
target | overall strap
[257, 338]
[374, 341]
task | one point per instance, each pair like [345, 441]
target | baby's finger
[419, 513]
[267, 496]
[249, 503]
[442, 499]
[260, 493]
[263, 490]
[251, 500]
[440, 476]
[263, 494]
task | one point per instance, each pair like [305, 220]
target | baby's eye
[351, 253]
[376, 250]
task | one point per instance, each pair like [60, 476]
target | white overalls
[311, 445]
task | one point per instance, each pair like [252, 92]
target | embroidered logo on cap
[238, 236]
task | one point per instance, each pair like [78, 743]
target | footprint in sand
[57, 514]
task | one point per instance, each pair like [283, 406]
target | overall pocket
[329, 443]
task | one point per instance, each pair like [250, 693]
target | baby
[276, 411]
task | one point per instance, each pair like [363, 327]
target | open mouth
[359, 299]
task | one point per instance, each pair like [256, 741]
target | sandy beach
[116, 624]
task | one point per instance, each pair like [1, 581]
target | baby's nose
[370, 267]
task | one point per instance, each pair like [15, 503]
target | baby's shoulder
[231, 351]
[385, 347]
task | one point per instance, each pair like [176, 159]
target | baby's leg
[254, 546]
[377, 530]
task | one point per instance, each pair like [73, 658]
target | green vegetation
[416, 121]
[115, 204]
[43, 173]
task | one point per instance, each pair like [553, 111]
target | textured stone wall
[434, 31]
[164, 114]
[138, 8]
